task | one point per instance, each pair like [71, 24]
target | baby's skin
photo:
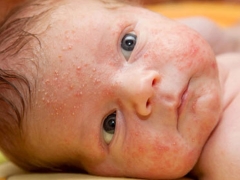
[164, 95]
[127, 92]
[220, 157]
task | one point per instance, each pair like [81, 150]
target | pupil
[129, 42]
[110, 123]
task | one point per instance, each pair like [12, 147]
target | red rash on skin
[57, 106]
[157, 150]
[87, 77]
[214, 65]
[190, 51]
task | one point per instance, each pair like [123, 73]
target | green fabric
[2, 158]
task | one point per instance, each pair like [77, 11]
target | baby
[116, 90]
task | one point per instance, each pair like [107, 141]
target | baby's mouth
[182, 100]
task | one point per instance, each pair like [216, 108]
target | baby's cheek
[187, 56]
[56, 95]
[209, 105]
[192, 51]
[157, 156]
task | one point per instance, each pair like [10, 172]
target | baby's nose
[137, 91]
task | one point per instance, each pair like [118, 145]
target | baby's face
[118, 108]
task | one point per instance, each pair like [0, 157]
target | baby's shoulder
[220, 158]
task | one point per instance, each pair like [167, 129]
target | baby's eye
[127, 45]
[109, 127]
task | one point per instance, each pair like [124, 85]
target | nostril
[148, 103]
[154, 82]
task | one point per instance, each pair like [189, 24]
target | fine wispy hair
[18, 67]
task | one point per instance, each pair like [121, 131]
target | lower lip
[183, 100]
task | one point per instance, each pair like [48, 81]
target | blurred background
[224, 12]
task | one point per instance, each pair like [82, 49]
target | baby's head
[105, 87]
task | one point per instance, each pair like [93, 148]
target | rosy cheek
[191, 50]
[188, 56]
[214, 65]
[142, 150]
[156, 154]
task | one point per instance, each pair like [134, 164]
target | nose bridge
[137, 89]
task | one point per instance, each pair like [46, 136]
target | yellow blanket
[225, 14]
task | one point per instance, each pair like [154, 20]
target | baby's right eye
[109, 125]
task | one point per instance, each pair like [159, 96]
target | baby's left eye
[128, 44]
[109, 125]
